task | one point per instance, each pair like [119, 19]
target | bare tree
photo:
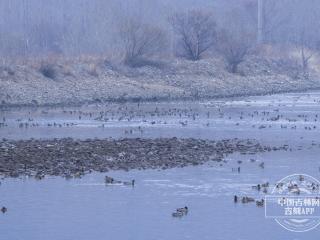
[306, 54]
[307, 47]
[234, 48]
[141, 41]
[305, 37]
[196, 32]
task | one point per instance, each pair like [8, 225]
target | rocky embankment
[97, 80]
[74, 158]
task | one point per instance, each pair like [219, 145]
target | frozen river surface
[55, 208]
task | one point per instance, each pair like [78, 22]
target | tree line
[144, 30]
[196, 35]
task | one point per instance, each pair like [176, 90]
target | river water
[55, 208]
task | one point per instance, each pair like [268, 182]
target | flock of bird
[138, 116]
[292, 187]
[144, 115]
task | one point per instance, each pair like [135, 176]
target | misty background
[76, 27]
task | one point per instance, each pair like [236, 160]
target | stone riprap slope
[95, 80]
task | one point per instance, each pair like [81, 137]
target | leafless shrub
[234, 48]
[291, 66]
[6, 71]
[304, 35]
[141, 42]
[307, 48]
[48, 70]
[196, 32]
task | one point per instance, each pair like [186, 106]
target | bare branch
[196, 32]
[141, 41]
[234, 48]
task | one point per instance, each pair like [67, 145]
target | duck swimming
[129, 183]
[258, 187]
[180, 212]
[177, 214]
[247, 199]
[183, 210]
[4, 209]
[260, 203]
[109, 180]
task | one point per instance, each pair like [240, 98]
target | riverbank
[74, 158]
[75, 82]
